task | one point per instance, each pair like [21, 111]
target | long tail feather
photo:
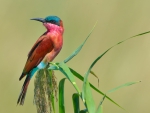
[23, 91]
[22, 75]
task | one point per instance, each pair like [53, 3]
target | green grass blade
[97, 90]
[61, 96]
[139, 34]
[66, 71]
[123, 85]
[83, 111]
[99, 57]
[76, 74]
[86, 76]
[112, 90]
[87, 97]
[80, 47]
[87, 73]
[99, 109]
[76, 105]
[53, 66]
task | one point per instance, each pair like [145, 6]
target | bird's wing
[36, 44]
[43, 46]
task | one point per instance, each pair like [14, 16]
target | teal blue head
[50, 19]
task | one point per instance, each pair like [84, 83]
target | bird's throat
[52, 27]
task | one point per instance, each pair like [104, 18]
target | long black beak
[39, 19]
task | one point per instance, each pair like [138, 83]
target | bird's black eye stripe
[52, 21]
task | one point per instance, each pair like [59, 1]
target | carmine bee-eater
[45, 49]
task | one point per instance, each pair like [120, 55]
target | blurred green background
[117, 20]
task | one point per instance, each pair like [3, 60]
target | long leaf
[79, 48]
[99, 109]
[99, 57]
[66, 71]
[87, 97]
[87, 73]
[83, 111]
[97, 90]
[61, 96]
[81, 78]
[76, 105]
[121, 86]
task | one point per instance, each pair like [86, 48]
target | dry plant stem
[45, 87]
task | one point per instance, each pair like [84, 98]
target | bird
[45, 49]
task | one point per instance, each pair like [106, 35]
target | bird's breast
[57, 40]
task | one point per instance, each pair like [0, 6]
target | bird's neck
[52, 27]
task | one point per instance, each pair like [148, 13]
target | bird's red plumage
[44, 47]
[45, 44]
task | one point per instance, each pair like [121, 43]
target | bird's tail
[23, 91]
